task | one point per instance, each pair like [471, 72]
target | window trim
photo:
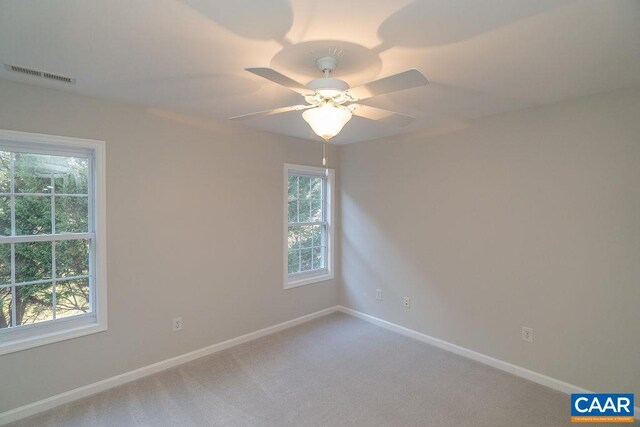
[35, 335]
[307, 278]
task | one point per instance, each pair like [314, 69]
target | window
[52, 252]
[308, 248]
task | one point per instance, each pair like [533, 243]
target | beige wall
[529, 218]
[194, 217]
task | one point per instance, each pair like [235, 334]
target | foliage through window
[46, 237]
[308, 223]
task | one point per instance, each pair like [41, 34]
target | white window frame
[29, 336]
[306, 278]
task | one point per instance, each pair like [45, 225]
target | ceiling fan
[332, 102]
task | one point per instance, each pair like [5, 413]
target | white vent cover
[41, 74]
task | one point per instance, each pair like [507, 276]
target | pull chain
[324, 153]
[324, 157]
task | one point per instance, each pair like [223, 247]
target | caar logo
[606, 408]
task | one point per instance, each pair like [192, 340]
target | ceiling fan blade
[374, 113]
[274, 76]
[405, 80]
[271, 112]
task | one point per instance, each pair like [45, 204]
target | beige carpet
[334, 371]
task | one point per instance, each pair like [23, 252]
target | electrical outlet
[527, 334]
[177, 324]
[379, 294]
[406, 302]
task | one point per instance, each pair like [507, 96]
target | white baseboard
[474, 355]
[88, 390]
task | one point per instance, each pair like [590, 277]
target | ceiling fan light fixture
[327, 120]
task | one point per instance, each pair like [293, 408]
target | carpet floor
[334, 371]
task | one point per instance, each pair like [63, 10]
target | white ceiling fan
[331, 102]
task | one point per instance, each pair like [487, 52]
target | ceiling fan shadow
[187, 90]
[356, 63]
[246, 18]
[426, 23]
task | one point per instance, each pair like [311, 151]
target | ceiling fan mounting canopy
[332, 102]
[325, 63]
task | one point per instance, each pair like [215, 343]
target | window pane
[318, 257]
[304, 211]
[293, 261]
[304, 187]
[72, 214]
[304, 236]
[316, 188]
[293, 211]
[33, 215]
[316, 235]
[5, 307]
[306, 248]
[72, 298]
[34, 303]
[5, 264]
[306, 259]
[293, 187]
[293, 238]
[5, 216]
[72, 175]
[316, 210]
[5, 172]
[310, 234]
[33, 261]
[34, 173]
[72, 258]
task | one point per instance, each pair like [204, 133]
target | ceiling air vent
[41, 74]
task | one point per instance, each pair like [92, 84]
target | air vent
[41, 74]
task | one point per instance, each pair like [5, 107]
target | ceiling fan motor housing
[327, 83]
[327, 88]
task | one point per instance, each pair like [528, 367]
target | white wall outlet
[527, 334]
[406, 302]
[177, 324]
[379, 294]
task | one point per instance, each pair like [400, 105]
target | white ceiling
[188, 56]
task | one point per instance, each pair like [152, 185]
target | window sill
[18, 340]
[295, 282]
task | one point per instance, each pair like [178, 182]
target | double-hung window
[308, 248]
[52, 252]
